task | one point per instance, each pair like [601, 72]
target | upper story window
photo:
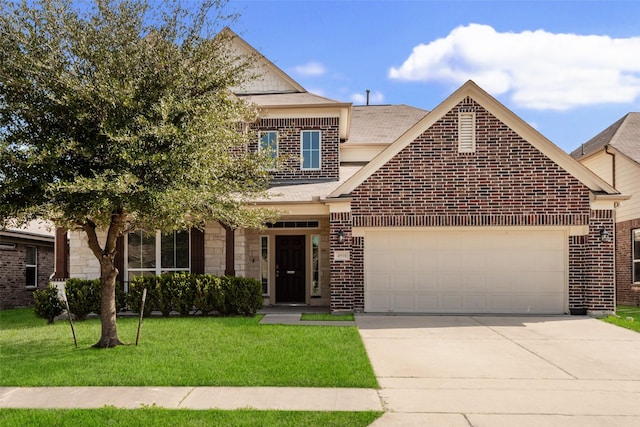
[636, 254]
[150, 254]
[269, 144]
[310, 149]
[31, 264]
[467, 132]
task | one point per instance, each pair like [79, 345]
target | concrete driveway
[503, 371]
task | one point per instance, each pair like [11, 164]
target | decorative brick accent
[626, 292]
[289, 146]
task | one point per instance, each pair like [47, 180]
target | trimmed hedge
[83, 297]
[189, 293]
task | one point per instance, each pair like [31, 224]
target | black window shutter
[197, 251]
[119, 259]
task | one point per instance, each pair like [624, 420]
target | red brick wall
[347, 277]
[13, 290]
[289, 146]
[626, 292]
[505, 182]
[591, 266]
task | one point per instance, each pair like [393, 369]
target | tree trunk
[109, 331]
[108, 274]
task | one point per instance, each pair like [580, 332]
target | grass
[327, 316]
[190, 351]
[627, 317]
[166, 417]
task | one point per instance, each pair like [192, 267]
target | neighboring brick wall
[13, 290]
[626, 292]
[506, 181]
[289, 136]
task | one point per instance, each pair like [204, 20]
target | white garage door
[465, 271]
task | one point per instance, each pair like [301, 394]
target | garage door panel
[440, 271]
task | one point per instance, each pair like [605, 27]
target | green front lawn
[190, 351]
[627, 317]
[327, 316]
[167, 417]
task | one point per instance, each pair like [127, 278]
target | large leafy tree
[117, 115]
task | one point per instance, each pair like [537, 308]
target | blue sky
[569, 68]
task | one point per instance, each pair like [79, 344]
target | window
[467, 132]
[310, 149]
[31, 263]
[264, 264]
[636, 255]
[151, 254]
[315, 265]
[269, 143]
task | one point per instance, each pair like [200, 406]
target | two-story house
[614, 154]
[464, 209]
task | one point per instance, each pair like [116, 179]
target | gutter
[613, 165]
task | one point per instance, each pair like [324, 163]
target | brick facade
[13, 290]
[289, 136]
[505, 182]
[626, 292]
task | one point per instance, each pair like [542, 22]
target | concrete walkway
[279, 398]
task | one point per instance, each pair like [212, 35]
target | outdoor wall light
[340, 236]
[605, 236]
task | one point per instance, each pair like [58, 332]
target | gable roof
[502, 113]
[623, 135]
[266, 68]
[382, 124]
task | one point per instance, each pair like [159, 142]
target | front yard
[189, 351]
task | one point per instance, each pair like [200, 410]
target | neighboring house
[614, 154]
[464, 209]
[26, 263]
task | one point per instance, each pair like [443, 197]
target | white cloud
[375, 97]
[537, 69]
[310, 69]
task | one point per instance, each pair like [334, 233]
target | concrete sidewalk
[266, 398]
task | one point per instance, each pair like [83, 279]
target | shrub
[183, 292]
[164, 294]
[134, 296]
[241, 295]
[83, 297]
[48, 304]
[207, 293]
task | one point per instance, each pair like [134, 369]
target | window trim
[157, 269]
[466, 132]
[277, 146]
[319, 149]
[634, 260]
[264, 275]
[34, 266]
[315, 269]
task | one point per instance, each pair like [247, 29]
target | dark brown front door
[290, 273]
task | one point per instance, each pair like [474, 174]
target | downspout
[613, 165]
